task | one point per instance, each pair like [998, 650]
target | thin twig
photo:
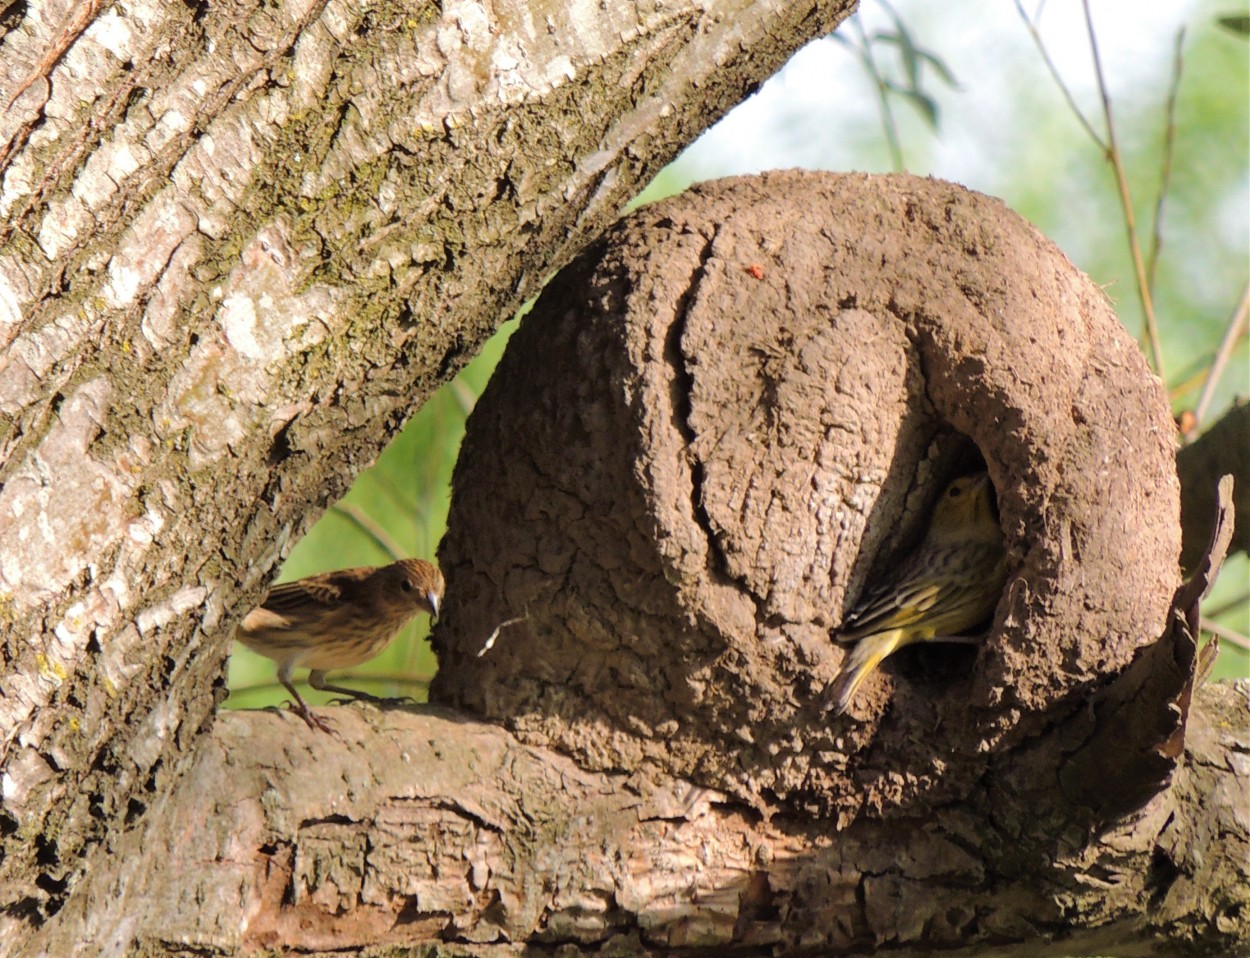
[1232, 333]
[1238, 603]
[400, 499]
[490, 639]
[366, 524]
[465, 397]
[1191, 381]
[1226, 634]
[1126, 200]
[883, 98]
[1169, 145]
[378, 678]
[1031, 25]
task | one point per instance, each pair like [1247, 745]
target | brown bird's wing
[325, 589]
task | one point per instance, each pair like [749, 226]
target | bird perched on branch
[948, 584]
[335, 620]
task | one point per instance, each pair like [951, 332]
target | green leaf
[1235, 24]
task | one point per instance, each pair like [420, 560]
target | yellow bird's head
[965, 512]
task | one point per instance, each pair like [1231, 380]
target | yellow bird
[948, 585]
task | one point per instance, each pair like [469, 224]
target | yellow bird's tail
[864, 658]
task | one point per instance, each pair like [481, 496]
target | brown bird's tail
[864, 658]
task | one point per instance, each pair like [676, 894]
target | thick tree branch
[422, 826]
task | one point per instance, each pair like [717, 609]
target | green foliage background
[1046, 168]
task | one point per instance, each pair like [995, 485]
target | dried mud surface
[721, 421]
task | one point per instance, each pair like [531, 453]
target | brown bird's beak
[433, 599]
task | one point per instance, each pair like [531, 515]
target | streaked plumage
[335, 620]
[948, 584]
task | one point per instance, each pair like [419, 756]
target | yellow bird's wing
[899, 606]
[923, 611]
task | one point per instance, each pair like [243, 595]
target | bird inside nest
[947, 586]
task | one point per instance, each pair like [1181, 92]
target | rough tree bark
[426, 826]
[239, 243]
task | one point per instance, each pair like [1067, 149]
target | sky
[820, 111]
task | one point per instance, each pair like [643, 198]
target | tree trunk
[241, 242]
[424, 826]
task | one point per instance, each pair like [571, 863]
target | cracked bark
[239, 244]
[423, 825]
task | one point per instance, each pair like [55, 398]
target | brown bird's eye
[406, 585]
[956, 490]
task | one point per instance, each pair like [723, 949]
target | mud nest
[722, 421]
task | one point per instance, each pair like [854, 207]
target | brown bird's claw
[314, 721]
[348, 697]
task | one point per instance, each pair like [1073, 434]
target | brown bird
[335, 620]
[949, 584]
